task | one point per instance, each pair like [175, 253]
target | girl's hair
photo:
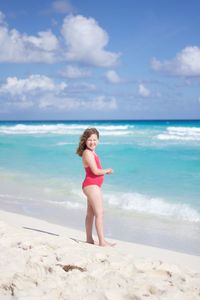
[83, 139]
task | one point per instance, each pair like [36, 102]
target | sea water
[153, 196]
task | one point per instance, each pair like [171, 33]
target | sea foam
[136, 202]
[60, 129]
[181, 134]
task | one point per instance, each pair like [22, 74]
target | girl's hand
[109, 171]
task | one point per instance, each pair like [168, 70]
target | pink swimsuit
[91, 178]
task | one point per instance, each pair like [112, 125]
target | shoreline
[23, 221]
[146, 230]
[42, 260]
[20, 197]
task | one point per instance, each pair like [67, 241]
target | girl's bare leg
[89, 223]
[94, 196]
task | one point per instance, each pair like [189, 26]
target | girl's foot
[92, 242]
[107, 244]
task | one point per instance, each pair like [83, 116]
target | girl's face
[92, 142]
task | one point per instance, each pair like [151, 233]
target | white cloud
[112, 76]
[85, 41]
[50, 101]
[75, 72]
[33, 84]
[43, 93]
[186, 63]
[143, 91]
[44, 41]
[82, 87]
[100, 103]
[62, 6]
[22, 48]
[156, 64]
[104, 103]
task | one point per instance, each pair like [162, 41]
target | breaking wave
[155, 206]
[181, 134]
[61, 129]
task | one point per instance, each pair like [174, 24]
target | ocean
[153, 196]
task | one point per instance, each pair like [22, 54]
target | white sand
[31, 266]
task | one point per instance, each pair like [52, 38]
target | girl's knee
[90, 214]
[99, 214]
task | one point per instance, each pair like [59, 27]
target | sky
[82, 60]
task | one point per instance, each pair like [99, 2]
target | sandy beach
[40, 260]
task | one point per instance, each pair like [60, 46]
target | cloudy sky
[86, 59]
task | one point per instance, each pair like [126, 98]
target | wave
[61, 129]
[154, 206]
[129, 202]
[67, 204]
[15, 199]
[181, 134]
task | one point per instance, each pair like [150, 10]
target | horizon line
[94, 120]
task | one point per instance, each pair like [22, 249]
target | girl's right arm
[88, 159]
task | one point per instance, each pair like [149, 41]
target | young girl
[92, 184]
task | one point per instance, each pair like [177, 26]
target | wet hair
[83, 139]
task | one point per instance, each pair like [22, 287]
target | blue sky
[99, 59]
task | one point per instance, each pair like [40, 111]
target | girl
[92, 184]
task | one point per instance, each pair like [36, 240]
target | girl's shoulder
[87, 152]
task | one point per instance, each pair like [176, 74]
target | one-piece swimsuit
[91, 178]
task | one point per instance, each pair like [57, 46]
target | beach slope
[40, 260]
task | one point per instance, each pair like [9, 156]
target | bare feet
[107, 244]
[103, 244]
[92, 242]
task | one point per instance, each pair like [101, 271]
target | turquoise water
[156, 160]
[156, 165]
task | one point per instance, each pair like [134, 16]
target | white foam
[67, 204]
[181, 134]
[15, 197]
[116, 133]
[69, 129]
[132, 202]
[154, 206]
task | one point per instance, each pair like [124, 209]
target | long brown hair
[83, 139]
